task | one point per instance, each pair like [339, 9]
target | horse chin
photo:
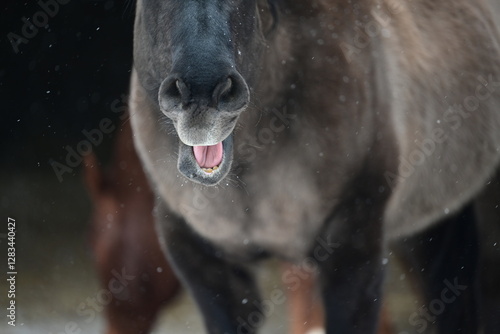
[189, 167]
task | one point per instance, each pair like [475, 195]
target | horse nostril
[230, 94]
[179, 87]
[227, 87]
[222, 90]
[173, 93]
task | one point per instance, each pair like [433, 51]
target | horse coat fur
[381, 118]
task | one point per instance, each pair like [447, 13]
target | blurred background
[58, 81]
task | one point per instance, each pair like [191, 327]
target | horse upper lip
[210, 131]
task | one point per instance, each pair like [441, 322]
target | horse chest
[278, 211]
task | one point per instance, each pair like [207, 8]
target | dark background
[63, 80]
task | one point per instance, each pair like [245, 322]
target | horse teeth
[210, 170]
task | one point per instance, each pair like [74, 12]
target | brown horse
[124, 239]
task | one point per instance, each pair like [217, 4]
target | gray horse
[317, 132]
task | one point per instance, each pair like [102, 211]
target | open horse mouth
[209, 157]
[207, 165]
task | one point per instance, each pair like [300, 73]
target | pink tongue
[208, 156]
